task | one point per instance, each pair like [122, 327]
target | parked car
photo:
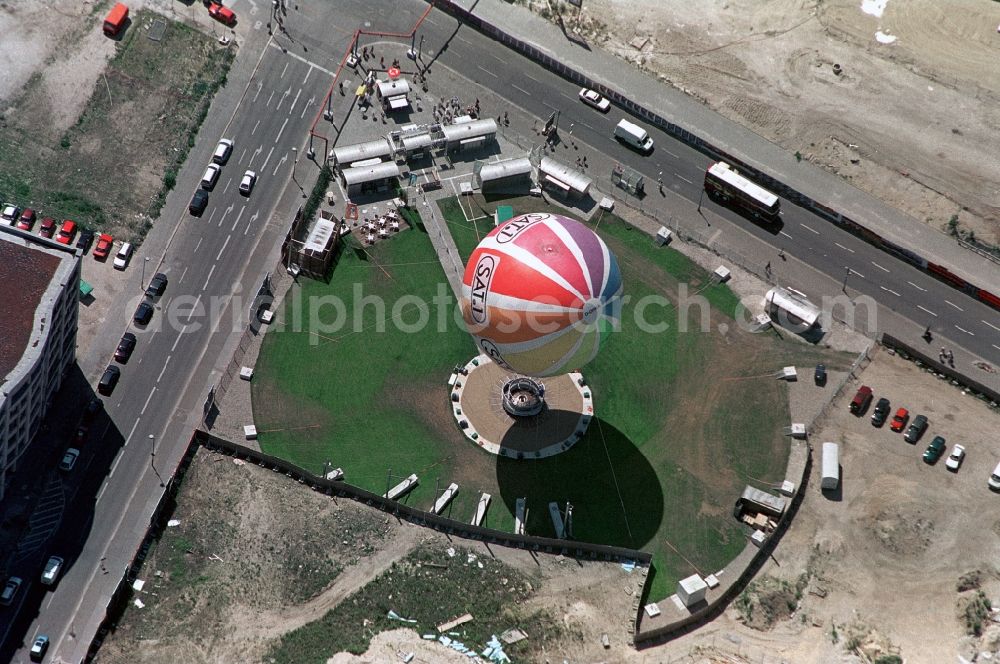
[108, 381]
[103, 247]
[994, 481]
[86, 239]
[900, 419]
[39, 647]
[125, 348]
[819, 377]
[221, 13]
[51, 572]
[859, 404]
[198, 203]
[48, 227]
[27, 220]
[157, 285]
[10, 214]
[247, 183]
[10, 590]
[934, 450]
[881, 412]
[143, 313]
[955, 458]
[222, 151]
[916, 429]
[595, 100]
[69, 459]
[123, 256]
[67, 232]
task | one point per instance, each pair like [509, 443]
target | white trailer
[831, 467]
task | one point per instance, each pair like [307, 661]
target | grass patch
[113, 168]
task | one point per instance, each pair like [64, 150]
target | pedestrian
[505, 120]
[381, 62]
[767, 268]
[498, 119]
[340, 85]
[781, 253]
[584, 160]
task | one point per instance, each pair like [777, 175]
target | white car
[52, 569]
[69, 459]
[123, 256]
[9, 214]
[591, 98]
[247, 183]
[222, 151]
[955, 458]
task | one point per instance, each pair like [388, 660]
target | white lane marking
[294, 101]
[962, 329]
[253, 218]
[224, 245]
[487, 71]
[520, 89]
[916, 286]
[573, 99]
[301, 59]
[532, 78]
[165, 363]
[210, 272]
[266, 160]
[134, 425]
[268, 104]
[683, 178]
[194, 307]
[853, 271]
[114, 466]
[586, 125]
[237, 222]
[785, 234]
[550, 106]
[995, 346]
[283, 96]
[278, 137]
[305, 107]
[809, 229]
[284, 70]
[888, 290]
[922, 308]
[500, 59]
[100, 494]
[281, 161]
[223, 217]
[260, 86]
[178, 339]
[307, 74]
[955, 305]
[197, 245]
[150, 397]
[843, 247]
[183, 273]
[244, 153]
[226, 188]
[993, 326]
[252, 131]
[885, 269]
[671, 153]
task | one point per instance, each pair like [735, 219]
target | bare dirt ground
[912, 121]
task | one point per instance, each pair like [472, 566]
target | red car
[27, 220]
[900, 419]
[221, 14]
[48, 227]
[103, 248]
[67, 232]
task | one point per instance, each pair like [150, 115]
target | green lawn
[685, 420]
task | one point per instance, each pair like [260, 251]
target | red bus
[729, 187]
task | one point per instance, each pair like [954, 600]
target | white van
[211, 177]
[994, 481]
[634, 136]
[831, 467]
[123, 256]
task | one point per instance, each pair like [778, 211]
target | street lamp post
[152, 457]
[847, 273]
[295, 154]
[143, 278]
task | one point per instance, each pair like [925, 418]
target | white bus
[731, 188]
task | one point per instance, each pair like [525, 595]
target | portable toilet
[831, 466]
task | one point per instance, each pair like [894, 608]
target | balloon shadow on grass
[615, 494]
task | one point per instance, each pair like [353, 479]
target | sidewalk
[673, 104]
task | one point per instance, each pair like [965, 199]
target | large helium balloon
[540, 293]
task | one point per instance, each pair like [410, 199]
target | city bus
[722, 182]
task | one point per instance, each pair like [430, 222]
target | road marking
[843, 247]
[260, 86]
[194, 307]
[306, 106]
[464, 40]
[101, 493]
[283, 159]
[237, 222]
[224, 244]
[532, 78]
[853, 271]
[278, 137]
[196, 246]
[283, 96]
[267, 159]
[955, 305]
[114, 466]
[252, 132]
[714, 236]
[226, 188]
[253, 218]
[550, 106]
[210, 272]
[301, 59]
[268, 104]
[683, 178]
[962, 329]
[586, 125]
[179, 335]
[260, 148]
[134, 425]
[244, 153]
[785, 234]
[887, 290]
[223, 217]
[916, 286]
[520, 89]
[809, 229]
[675, 156]
[284, 70]
[307, 74]
[927, 310]
[487, 71]
[165, 363]
[572, 99]
[150, 397]
[993, 326]
[995, 346]
[884, 269]
[294, 101]
[500, 59]
[183, 273]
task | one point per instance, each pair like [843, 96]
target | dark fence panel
[908, 351]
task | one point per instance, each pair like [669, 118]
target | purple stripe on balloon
[590, 247]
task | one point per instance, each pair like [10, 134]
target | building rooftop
[25, 274]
